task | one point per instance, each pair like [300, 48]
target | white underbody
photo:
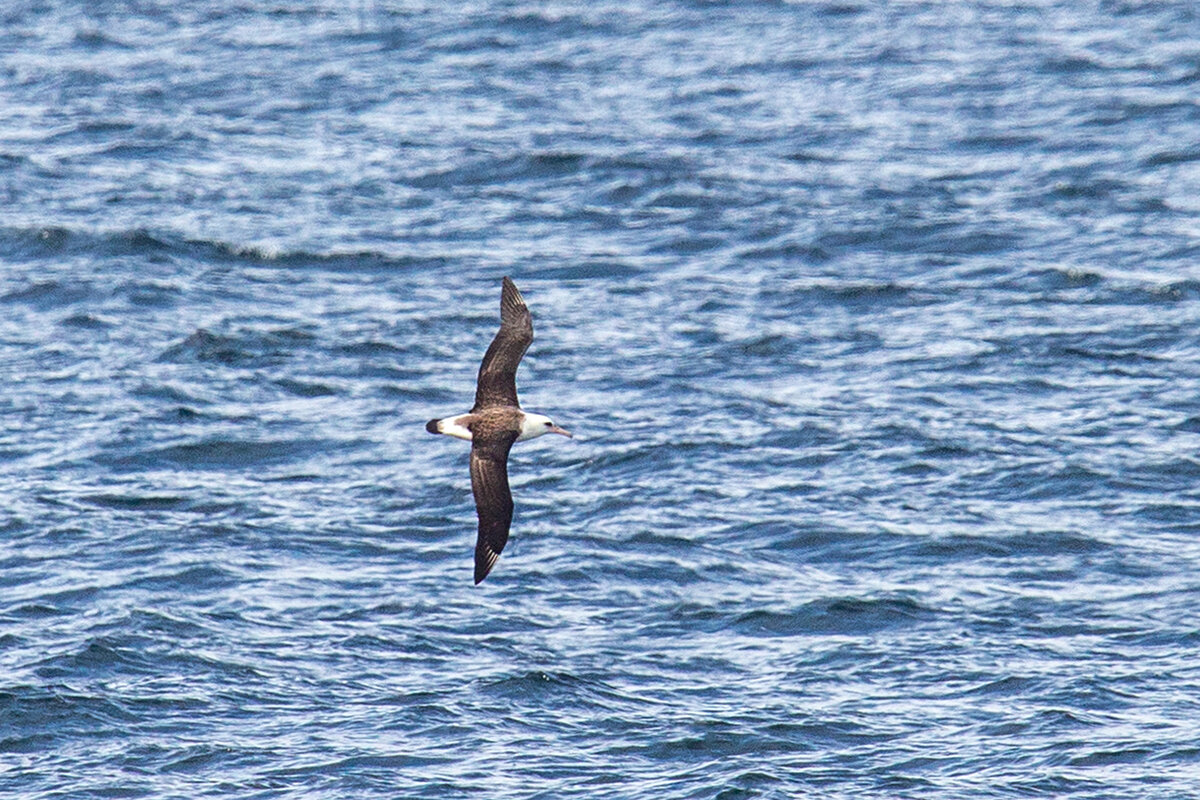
[532, 426]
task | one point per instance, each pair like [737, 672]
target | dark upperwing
[493, 500]
[497, 383]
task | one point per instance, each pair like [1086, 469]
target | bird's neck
[532, 426]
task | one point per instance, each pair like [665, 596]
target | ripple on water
[884, 395]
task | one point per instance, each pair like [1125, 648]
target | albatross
[494, 424]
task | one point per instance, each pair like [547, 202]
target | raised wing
[497, 384]
[493, 500]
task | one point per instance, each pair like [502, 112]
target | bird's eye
[549, 425]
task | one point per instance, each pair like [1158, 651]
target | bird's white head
[535, 425]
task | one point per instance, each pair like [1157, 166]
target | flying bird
[494, 424]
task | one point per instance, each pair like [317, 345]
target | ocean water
[878, 326]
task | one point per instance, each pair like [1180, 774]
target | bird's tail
[432, 425]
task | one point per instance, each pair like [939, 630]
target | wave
[37, 244]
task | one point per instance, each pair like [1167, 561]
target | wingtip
[508, 288]
[432, 426]
[513, 310]
[485, 559]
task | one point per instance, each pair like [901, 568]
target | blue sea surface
[877, 325]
